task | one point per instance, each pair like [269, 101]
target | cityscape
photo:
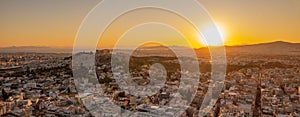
[43, 85]
[150, 58]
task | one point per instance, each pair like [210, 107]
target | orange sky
[55, 22]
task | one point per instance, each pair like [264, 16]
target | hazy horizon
[69, 47]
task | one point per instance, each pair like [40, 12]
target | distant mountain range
[35, 49]
[272, 48]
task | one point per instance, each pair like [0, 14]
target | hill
[272, 48]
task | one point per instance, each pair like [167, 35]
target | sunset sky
[55, 22]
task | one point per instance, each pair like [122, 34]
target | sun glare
[212, 38]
